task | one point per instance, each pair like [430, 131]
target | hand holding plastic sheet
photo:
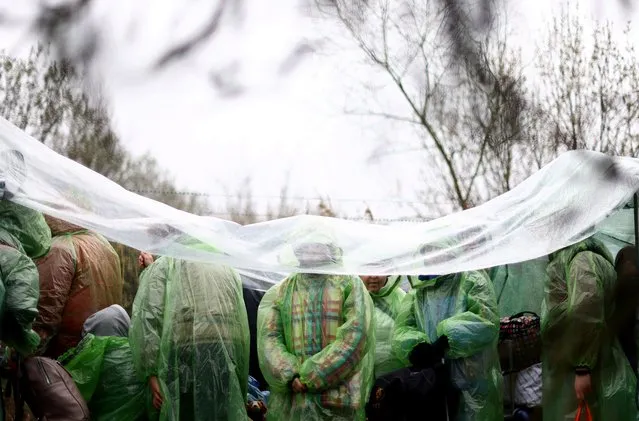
[559, 205]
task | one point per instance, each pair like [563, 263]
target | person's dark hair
[628, 253]
[626, 300]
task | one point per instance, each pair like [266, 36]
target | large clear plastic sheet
[23, 235]
[560, 205]
[190, 330]
[463, 308]
[579, 303]
[79, 276]
[299, 333]
[520, 286]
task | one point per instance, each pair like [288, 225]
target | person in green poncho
[582, 357]
[190, 339]
[102, 368]
[455, 317]
[315, 341]
[387, 298]
[24, 235]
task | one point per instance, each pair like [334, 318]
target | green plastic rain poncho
[462, 307]
[102, 368]
[519, 286]
[24, 235]
[387, 302]
[579, 301]
[190, 329]
[320, 328]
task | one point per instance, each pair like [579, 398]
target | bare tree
[242, 208]
[43, 98]
[464, 120]
[591, 89]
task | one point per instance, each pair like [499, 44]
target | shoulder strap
[16, 379]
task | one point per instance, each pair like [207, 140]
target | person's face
[374, 283]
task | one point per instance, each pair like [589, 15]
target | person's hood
[590, 244]
[61, 227]
[392, 283]
[295, 252]
[466, 241]
[111, 321]
[24, 229]
[437, 254]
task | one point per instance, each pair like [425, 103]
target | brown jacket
[79, 276]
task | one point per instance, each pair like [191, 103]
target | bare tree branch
[184, 48]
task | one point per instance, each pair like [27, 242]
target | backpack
[48, 388]
[409, 394]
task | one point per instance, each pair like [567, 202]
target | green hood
[590, 244]
[24, 229]
[392, 283]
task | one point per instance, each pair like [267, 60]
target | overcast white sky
[288, 129]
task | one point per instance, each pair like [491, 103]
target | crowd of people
[329, 347]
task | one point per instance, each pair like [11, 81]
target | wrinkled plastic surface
[559, 205]
[320, 327]
[579, 300]
[23, 233]
[189, 328]
[79, 276]
[462, 307]
[387, 302]
[102, 368]
[520, 286]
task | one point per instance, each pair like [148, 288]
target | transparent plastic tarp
[559, 205]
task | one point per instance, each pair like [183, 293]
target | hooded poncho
[23, 235]
[79, 276]
[578, 304]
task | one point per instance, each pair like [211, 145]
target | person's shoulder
[589, 258]
[398, 292]
[61, 250]
[92, 239]
[10, 256]
[476, 279]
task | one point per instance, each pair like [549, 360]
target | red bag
[583, 409]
